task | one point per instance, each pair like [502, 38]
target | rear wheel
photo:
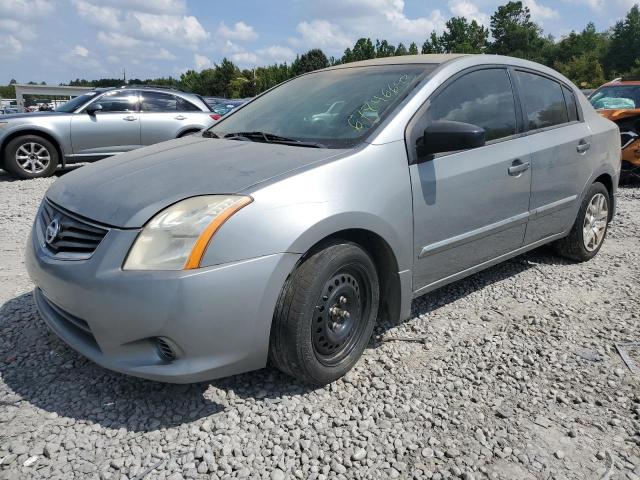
[31, 156]
[325, 314]
[590, 228]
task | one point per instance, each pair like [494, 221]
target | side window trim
[409, 133]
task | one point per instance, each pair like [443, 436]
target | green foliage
[308, 62]
[624, 47]
[514, 33]
[413, 48]
[585, 70]
[433, 44]
[461, 36]
[385, 49]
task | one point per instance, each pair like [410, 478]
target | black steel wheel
[325, 315]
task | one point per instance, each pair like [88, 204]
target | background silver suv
[96, 125]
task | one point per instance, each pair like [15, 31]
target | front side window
[543, 101]
[483, 98]
[74, 103]
[335, 108]
[122, 101]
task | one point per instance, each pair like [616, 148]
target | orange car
[619, 101]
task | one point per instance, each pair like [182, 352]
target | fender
[32, 129]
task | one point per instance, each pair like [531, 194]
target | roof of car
[623, 81]
[436, 58]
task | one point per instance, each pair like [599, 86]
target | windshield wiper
[209, 134]
[271, 138]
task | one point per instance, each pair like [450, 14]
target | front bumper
[217, 319]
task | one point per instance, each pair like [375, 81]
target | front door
[470, 206]
[113, 129]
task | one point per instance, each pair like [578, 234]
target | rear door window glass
[572, 106]
[157, 102]
[543, 101]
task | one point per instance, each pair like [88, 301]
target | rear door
[164, 116]
[469, 206]
[561, 143]
[114, 129]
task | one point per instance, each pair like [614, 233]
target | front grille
[76, 238]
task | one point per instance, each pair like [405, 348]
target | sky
[60, 40]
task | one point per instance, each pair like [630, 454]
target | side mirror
[93, 108]
[447, 136]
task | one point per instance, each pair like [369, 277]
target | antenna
[124, 75]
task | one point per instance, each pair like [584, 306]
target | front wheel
[325, 314]
[590, 228]
[30, 156]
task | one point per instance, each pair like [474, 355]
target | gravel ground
[510, 374]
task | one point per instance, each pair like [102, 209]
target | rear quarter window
[543, 101]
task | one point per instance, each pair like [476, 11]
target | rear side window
[165, 102]
[186, 106]
[543, 101]
[157, 102]
[483, 98]
[572, 105]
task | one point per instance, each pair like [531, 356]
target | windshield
[72, 105]
[616, 97]
[334, 108]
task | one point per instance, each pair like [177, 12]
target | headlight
[177, 237]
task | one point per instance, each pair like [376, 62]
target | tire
[31, 156]
[325, 314]
[580, 245]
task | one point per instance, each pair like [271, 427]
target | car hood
[619, 114]
[27, 116]
[126, 190]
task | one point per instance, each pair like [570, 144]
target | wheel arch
[188, 131]
[607, 181]
[33, 131]
[384, 259]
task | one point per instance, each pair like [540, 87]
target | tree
[433, 44]
[362, 50]
[413, 48]
[402, 50]
[579, 43]
[624, 48]
[308, 62]
[514, 33]
[584, 70]
[384, 49]
[461, 36]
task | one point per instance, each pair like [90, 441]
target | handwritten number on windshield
[368, 113]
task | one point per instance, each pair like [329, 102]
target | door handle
[517, 167]
[583, 146]
[130, 118]
[180, 117]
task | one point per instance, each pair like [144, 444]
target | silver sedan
[275, 236]
[96, 125]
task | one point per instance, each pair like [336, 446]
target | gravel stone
[515, 375]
